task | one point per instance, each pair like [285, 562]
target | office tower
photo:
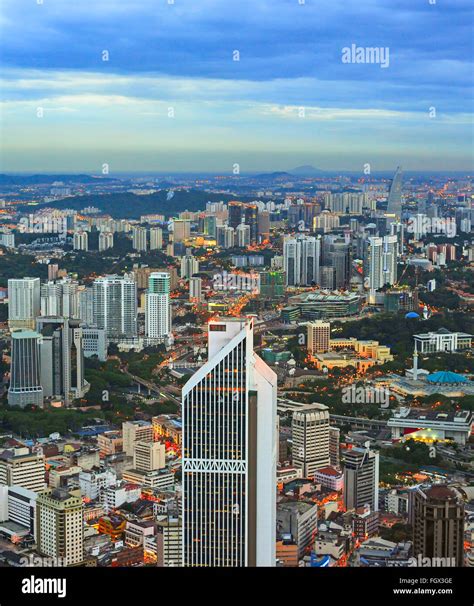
[19, 467]
[148, 456]
[301, 256]
[169, 536]
[60, 525]
[337, 254]
[299, 521]
[81, 240]
[319, 333]
[106, 240]
[24, 302]
[157, 306]
[236, 214]
[181, 230]
[62, 359]
[195, 289]
[114, 302]
[25, 380]
[251, 219]
[264, 225]
[52, 271]
[361, 478]
[139, 239]
[438, 524]
[189, 266]
[310, 434]
[135, 431]
[334, 441]
[381, 262]
[242, 233]
[156, 238]
[210, 226]
[229, 453]
[328, 277]
[394, 204]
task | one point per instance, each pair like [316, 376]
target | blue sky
[178, 59]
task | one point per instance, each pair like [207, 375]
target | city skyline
[80, 91]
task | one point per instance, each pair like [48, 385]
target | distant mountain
[48, 179]
[306, 171]
[132, 206]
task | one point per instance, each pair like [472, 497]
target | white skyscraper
[229, 453]
[81, 240]
[310, 432]
[115, 306]
[301, 256]
[24, 302]
[106, 240]
[156, 238]
[139, 239]
[189, 266]
[157, 306]
[381, 262]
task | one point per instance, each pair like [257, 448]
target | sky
[211, 85]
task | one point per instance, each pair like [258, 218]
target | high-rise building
[236, 213]
[302, 256]
[381, 262]
[19, 467]
[156, 238]
[189, 266]
[24, 302]
[264, 225]
[169, 541]
[225, 236]
[157, 306]
[310, 434]
[394, 204]
[139, 239]
[53, 271]
[334, 445]
[242, 233]
[195, 289]
[60, 299]
[148, 456]
[62, 359]
[135, 431]
[438, 524]
[115, 306]
[106, 240]
[319, 334]
[361, 478]
[81, 240]
[181, 230]
[60, 525]
[229, 453]
[25, 379]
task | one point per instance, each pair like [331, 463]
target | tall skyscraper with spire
[394, 205]
[229, 453]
